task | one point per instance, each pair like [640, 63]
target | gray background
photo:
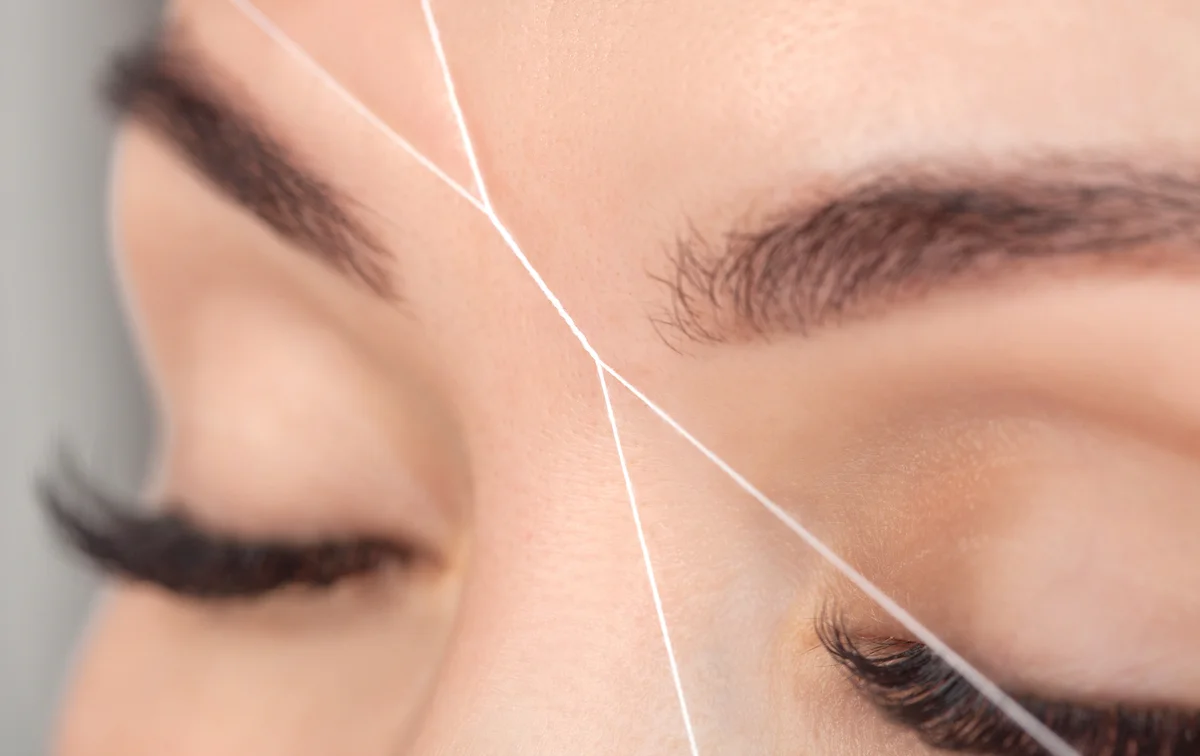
[66, 370]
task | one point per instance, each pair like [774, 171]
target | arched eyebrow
[910, 234]
[169, 89]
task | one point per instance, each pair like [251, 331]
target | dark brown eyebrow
[911, 233]
[168, 89]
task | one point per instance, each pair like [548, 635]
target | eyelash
[914, 687]
[908, 682]
[172, 551]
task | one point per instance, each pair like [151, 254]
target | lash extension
[914, 687]
[170, 550]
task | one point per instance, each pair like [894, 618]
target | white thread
[641, 534]
[277, 35]
[510, 241]
[983, 684]
[1045, 737]
[487, 208]
[435, 35]
[1039, 731]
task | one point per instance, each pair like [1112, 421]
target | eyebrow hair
[904, 236]
[169, 90]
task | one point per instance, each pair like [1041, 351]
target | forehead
[604, 129]
[819, 86]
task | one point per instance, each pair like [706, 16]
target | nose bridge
[558, 647]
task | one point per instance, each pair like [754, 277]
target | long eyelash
[912, 686]
[172, 551]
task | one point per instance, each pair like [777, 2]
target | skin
[1027, 495]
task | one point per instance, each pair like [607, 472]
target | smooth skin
[1014, 460]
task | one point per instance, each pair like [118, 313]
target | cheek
[286, 680]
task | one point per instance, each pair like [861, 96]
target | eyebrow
[169, 90]
[908, 234]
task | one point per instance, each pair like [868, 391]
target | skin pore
[921, 272]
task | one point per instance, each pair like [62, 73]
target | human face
[922, 273]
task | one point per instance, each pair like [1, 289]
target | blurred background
[67, 375]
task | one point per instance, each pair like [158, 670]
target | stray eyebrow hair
[169, 90]
[906, 235]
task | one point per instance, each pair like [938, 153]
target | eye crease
[640, 378]
[170, 550]
[913, 687]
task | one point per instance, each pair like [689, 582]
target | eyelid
[172, 551]
[913, 687]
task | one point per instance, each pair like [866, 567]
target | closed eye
[173, 551]
[914, 687]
